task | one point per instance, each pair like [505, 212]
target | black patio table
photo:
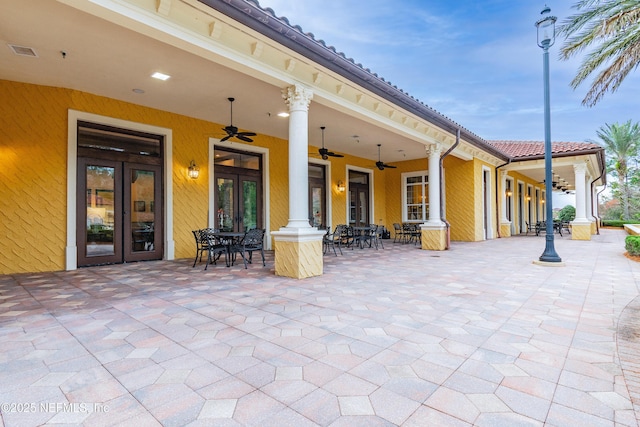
[229, 238]
[541, 227]
[362, 233]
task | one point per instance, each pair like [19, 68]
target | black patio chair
[398, 233]
[252, 241]
[377, 236]
[347, 237]
[331, 240]
[207, 242]
[535, 228]
[410, 232]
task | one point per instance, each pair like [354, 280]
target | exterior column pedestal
[505, 229]
[434, 236]
[581, 230]
[298, 252]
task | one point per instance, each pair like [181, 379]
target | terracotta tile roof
[517, 149]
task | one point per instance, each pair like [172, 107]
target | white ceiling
[109, 60]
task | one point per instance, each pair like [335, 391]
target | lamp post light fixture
[546, 27]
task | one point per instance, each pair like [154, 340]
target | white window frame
[425, 195]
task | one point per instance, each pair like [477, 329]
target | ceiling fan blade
[247, 133]
[231, 130]
[241, 137]
[225, 138]
[388, 166]
[332, 154]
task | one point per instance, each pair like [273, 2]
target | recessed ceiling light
[136, 90]
[160, 76]
[283, 114]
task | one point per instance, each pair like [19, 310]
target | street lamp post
[546, 28]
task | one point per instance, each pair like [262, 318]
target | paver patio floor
[477, 335]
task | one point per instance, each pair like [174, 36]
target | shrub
[568, 213]
[632, 245]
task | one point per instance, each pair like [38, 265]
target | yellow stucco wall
[460, 187]
[33, 151]
[32, 191]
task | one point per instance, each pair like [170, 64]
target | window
[415, 197]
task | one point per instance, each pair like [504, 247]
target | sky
[474, 61]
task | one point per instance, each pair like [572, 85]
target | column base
[580, 230]
[298, 252]
[434, 236]
[594, 228]
[505, 229]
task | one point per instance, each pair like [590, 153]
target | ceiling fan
[381, 165]
[232, 131]
[324, 152]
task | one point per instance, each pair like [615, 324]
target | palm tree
[621, 142]
[612, 28]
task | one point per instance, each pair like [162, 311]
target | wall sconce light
[527, 198]
[341, 187]
[509, 193]
[194, 170]
[542, 201]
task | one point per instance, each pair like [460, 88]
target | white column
[580, 170]
[298, 97]
[503, 197]
[434, 151]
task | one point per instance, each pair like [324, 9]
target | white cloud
[475, 62]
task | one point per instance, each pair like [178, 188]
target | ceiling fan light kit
[232, 131]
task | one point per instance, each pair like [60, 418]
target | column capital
[434, 149]
[580, 167]
[297, 97]
[503, 173]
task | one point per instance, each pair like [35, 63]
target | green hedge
[632, 245]
[616, 223]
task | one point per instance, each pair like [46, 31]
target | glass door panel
[143, 213]
[98, 225]
[225, 204]
[317, 206]
[317, 196]
[238, 202]
[249, 204]
[363, 204]
[359, 205]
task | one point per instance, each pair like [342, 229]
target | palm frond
[611, 28]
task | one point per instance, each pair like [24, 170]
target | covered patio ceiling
[78, 44]
[80, 51]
